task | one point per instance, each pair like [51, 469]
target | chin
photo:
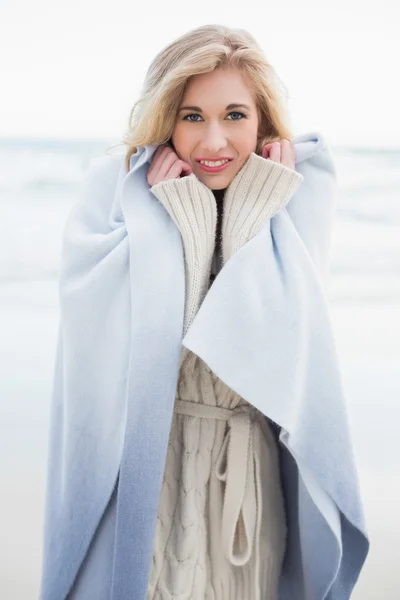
[216, 183]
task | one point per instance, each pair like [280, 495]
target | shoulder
[97, 192]
[100, 179]
[103, 169]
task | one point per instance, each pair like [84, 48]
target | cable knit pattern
[221, 529]
[259, 190]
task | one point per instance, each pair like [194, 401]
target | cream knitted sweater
[221, 527]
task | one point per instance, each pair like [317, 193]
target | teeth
[217, 163]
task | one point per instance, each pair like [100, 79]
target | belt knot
[235, 467]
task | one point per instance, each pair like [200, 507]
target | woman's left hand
[281, 152]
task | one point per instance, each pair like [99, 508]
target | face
[212, 129]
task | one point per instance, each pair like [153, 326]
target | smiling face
[222, 122]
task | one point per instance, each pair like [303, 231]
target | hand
[165, 165]
[281, 152]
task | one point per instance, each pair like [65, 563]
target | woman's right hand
[165, 165]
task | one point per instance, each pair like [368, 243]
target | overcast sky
[74, 68]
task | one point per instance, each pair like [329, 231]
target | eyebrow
[229, 107]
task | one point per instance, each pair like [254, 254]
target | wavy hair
[201, 50]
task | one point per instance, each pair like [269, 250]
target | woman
[196, 379]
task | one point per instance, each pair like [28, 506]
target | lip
[214, 169]
[215, 158]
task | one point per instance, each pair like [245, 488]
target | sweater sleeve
[192, 207]
[259, 190]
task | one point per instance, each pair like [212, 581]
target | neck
[219, 195]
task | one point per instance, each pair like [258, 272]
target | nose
[214, 139]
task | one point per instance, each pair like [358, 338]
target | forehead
[218, 88]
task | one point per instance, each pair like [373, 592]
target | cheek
[181, 141]
[250, 139]
[245, 140]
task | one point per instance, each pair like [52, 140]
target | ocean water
[39, 182]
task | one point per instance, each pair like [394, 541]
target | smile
[212, 166]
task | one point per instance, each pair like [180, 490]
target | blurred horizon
[108, 141]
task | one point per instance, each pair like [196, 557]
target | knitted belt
[241, 515]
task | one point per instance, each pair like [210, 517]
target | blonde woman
[197, 411]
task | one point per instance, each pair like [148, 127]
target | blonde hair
[201, 50]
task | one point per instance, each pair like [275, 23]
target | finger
[162, 164]
[265, 151]
[175, 170]
[155, 164]
[161, 150]
[286, 153]
[179, 168]
[293, 154]
[275, 152]
[186, 168]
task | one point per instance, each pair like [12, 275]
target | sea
[39, 183]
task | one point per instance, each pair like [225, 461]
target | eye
[238, 113]
[190, 115]
[186, 118]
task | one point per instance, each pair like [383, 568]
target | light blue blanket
[264, 328]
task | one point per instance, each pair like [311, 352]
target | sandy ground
[367, 336]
